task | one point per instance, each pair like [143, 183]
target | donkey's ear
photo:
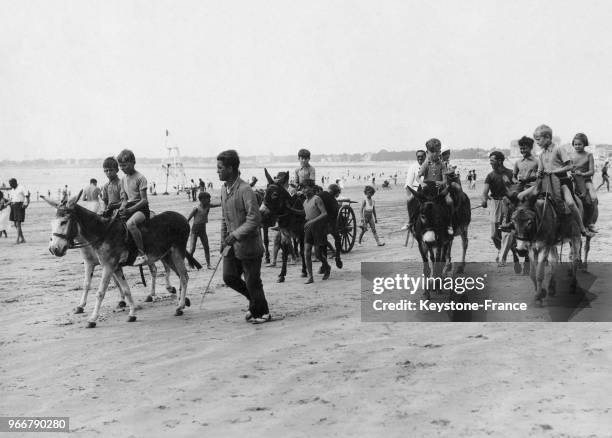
[268, 177]
[74, 200]
[418, 195]
[53, 204]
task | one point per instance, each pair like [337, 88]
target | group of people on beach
[241, 244]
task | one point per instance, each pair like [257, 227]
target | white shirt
[411, 177]
[19, 194]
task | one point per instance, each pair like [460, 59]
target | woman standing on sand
[20, 199]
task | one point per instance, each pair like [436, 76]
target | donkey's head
[434, 215]
[524, 221]
[64, 227]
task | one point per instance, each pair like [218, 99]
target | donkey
[278, 203]
[538, 229]
[90, 261]
[508, 235]
[165, 237]
[433, 214]
[431, 229]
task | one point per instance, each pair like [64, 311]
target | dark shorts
[198, 229]
[316, 235]
[17, 212]
[565, 181]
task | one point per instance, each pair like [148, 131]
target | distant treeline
[188, 161]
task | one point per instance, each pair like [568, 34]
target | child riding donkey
[134, 204]
[554, 165]
[434, 170]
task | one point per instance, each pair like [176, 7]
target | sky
[85, 79]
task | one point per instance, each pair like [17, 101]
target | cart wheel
[347, 228]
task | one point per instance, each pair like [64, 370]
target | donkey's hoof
[171, 289]
[131, 318]
[187, 302]
[517, 268]
[79, 309]
[121, 305]
[178, 312]
[149, 299]
[91, 324]
[280, 279]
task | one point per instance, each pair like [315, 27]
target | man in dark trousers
[241, 243]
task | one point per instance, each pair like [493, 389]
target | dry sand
[319, 372]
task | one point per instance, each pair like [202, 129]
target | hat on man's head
[445, 150]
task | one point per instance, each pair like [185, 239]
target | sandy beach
[321, 371]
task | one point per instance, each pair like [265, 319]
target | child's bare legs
[591, 191]
[204, 240]
[567, 196]
[525, 193]
[372, 224]
[593, 195]
[132, 225]
[308, 255]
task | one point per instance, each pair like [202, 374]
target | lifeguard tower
[172, 167]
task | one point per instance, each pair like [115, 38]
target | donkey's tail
[193, 263]
[144, 282]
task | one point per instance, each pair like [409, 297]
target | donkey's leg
[506, 243]
[587, 247]
[426, 268]
[167, 269]
[284, 257]
[153, 271]
[464, 247]
[266, 241]
[539, 275]
[121, 304]
[448, 262]
[125, 288]
[89, 270]
[107, 272]
[178, 262]
[533, 266]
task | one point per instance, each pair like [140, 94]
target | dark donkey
[278, 203]
[431, 227]
[539, 227]
[165, 238]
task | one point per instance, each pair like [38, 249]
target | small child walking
[200, 219]
[368, 214]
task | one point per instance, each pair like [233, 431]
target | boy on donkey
[434, 170]
[554, 164]
[134, 203]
